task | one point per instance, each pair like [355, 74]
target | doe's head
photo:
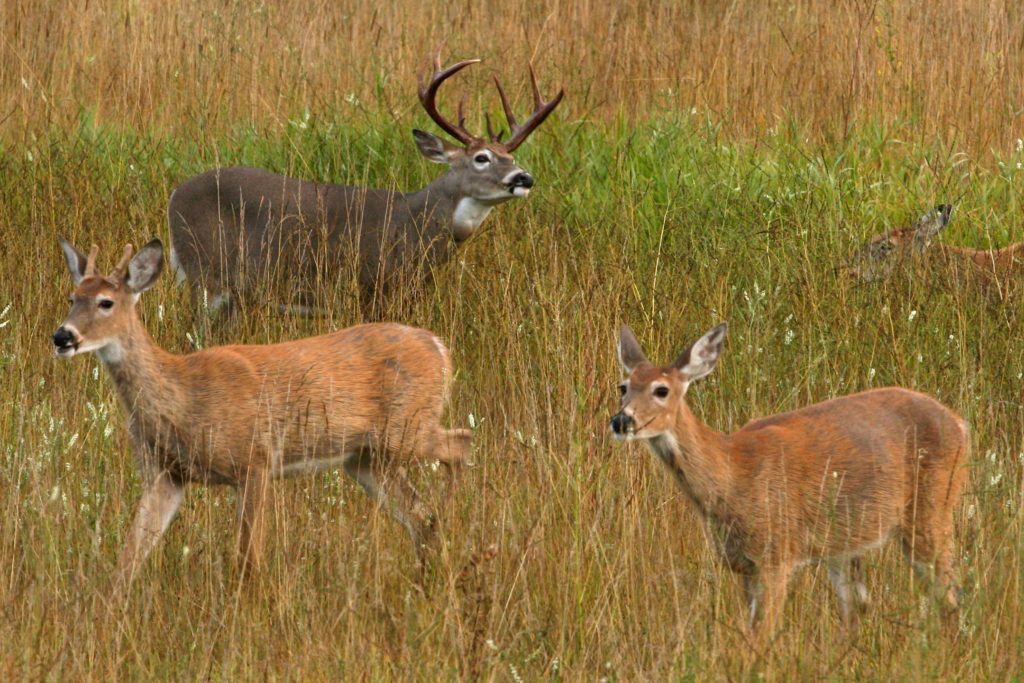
[881, 255]
[650, 394]
[103, 306]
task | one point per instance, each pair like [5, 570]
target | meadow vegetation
[707, 164]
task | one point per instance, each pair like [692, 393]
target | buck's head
[103, 307]
[882, 254]
[483, 169]
[651, 395]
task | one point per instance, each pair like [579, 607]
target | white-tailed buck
[916, 244]
[367, 399]
[232, 228]
[826, 483]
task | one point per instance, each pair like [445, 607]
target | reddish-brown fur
[885, 252]
[828, 482]
[366, 398]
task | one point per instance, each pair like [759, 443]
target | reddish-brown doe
[826, 483]
[916, 245]
[366, 399]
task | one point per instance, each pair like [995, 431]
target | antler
[122, 266]
[90, 262]
[541, 110]
[428, 94]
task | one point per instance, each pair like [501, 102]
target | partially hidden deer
[825, 483]
[232, 228]
[367, 399]
[886, 252]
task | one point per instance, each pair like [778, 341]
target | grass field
[707, 164]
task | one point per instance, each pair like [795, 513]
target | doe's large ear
[434, 148]
[702, 356]
[76, 261]
[931, 224]
[145, 267]
[630, 353]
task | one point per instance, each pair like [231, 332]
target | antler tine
[90, 261]
[490, 130]
[509, 115]
[428, 98]
[537, 101]
[122, 266]
[541, 111]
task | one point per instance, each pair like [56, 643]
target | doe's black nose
[63, 337]
[621, 423]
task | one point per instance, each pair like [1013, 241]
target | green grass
[600, 570]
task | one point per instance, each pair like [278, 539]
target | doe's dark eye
[106, 304]
[661, 392]
[622, 390]
[481, 159]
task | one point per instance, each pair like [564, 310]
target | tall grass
[950, 68]
[564, 557]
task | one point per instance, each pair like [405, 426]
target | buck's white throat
[470, 213]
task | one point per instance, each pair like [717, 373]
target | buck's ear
[145, 267]
[630, 353]
[76, 261]
[434, 148]
[931, 224]
[700, 359]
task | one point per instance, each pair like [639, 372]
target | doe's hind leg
[392, 490]
[452, 448]
[934, 566]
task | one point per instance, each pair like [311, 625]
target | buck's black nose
[522, 180]
[63, 338]
[621, 423]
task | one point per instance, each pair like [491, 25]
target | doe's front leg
[766, 592]
[159, 502]
[253, 493]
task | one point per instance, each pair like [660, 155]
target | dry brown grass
[950, 68]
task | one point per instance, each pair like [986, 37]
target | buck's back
[236, 226]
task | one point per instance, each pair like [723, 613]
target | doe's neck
[699, 457]
[145, 375]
